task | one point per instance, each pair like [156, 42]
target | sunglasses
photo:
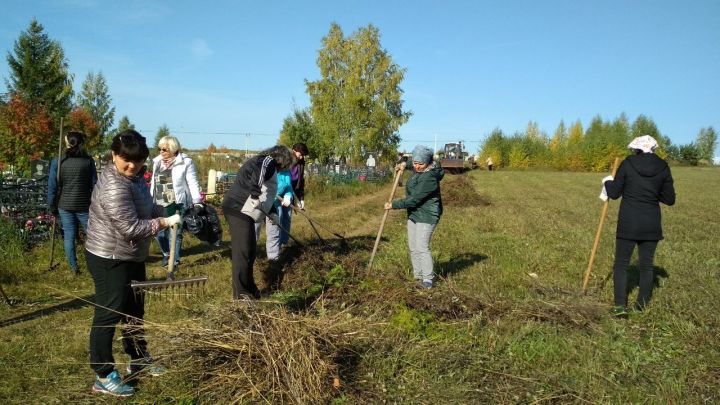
[164, 149]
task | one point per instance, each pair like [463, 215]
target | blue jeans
[285, 221]
[70, 220]
[163, 239]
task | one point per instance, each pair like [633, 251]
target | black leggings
[115, 303]
[243, 247]
[623, 252]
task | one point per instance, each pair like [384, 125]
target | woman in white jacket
[174, 179]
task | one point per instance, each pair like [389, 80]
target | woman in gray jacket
[121, 225]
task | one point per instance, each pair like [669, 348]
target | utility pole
[247, 141]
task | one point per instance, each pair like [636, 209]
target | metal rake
[166, 288]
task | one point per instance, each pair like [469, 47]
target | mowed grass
[511, 250]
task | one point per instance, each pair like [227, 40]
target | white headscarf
[645, 143]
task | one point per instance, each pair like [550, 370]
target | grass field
[507, 322]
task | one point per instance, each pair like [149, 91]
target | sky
[229, 72]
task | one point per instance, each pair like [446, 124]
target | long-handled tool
[398, 175]
[53, 265]
[603, 214]
[314, 221]
[171, 262]
[311, 223]
[277, 223]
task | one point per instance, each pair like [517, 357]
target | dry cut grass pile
[254, 352]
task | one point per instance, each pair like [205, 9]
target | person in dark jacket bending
[247, 202]
[71, 195]
[424, 208]
[643, 180]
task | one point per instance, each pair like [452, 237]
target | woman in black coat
[644, 181]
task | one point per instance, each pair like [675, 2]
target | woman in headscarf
[424, 208]
[643, 180]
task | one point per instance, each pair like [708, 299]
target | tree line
[593, 149]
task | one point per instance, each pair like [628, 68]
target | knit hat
[422, 154]
[645, 143]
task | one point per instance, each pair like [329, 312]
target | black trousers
[623, 252]
[244, 251]
[115, 302]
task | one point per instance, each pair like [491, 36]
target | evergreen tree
[95, 99]
[39, 72]
[124, 124]
[356, 104]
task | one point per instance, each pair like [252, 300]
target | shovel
[398, 176]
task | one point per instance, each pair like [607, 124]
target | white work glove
[254, 202]
[173, 220]
[603, 193]
[286, 201]
[301, 204]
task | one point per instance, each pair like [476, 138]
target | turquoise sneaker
[112, 385]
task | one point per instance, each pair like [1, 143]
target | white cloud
[200, 49]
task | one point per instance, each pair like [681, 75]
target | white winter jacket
[184, 178]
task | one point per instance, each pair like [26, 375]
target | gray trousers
[419, 235]
[272, 239]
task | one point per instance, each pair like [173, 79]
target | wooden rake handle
[398, 176]
[603, 214]
[173, 240]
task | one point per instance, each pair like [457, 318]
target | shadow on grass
[458, 263]
[76, 303]
[633, 275]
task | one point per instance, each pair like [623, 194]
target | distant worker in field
[643, 180]
[70, 197]
[424, 208]
[123, 220]
[297, 174]
[174, 180]
[247, 202]
[489, 163]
